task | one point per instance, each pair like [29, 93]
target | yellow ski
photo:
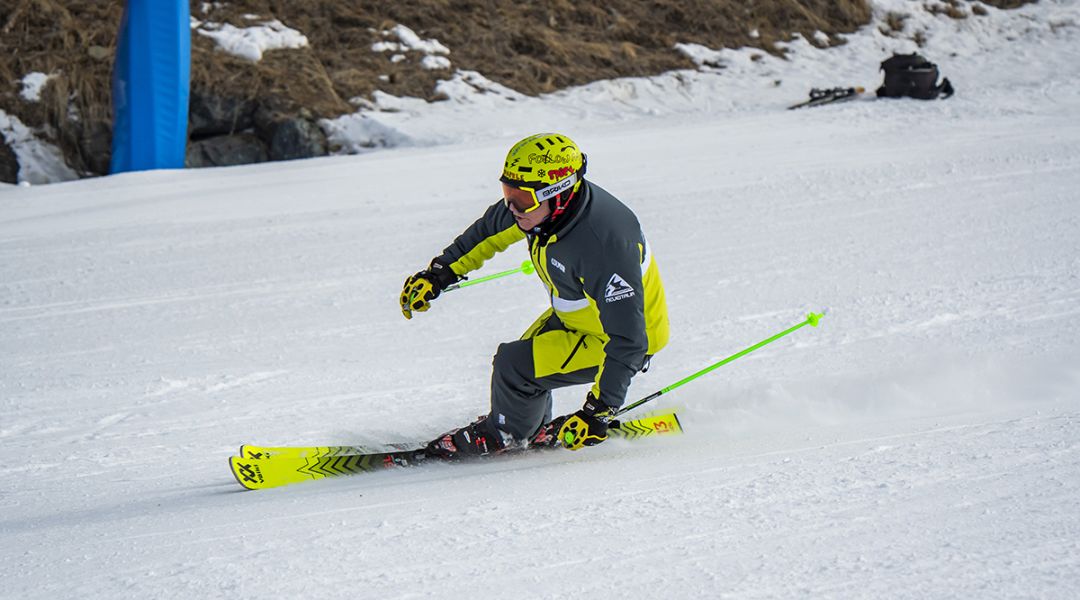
[261, 467]
[649, 425]
[655, 424]
[266, 452]
[260, 473]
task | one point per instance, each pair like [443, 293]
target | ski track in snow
[922, 443]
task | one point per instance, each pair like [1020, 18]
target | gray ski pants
[521, 400]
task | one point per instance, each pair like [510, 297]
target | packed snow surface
[923, 442]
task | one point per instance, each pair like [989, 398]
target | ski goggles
[524, 199]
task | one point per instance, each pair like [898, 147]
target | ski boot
[479, 438]
[548, 434]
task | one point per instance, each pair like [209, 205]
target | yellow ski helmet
[544, 166]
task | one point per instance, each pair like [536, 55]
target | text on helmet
[560, 173]
[547, 159]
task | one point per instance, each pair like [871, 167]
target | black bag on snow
[914, 76]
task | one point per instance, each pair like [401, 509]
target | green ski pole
[812, 320]
[526, 268]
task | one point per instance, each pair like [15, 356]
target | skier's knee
[512, 357]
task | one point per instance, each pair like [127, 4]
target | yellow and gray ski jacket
[600, 275]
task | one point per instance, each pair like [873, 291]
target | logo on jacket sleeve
[617, 289]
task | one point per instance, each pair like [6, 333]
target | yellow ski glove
[588, 426]
[420, 289]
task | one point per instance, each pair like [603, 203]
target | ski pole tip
[527, 267]
[814, 318]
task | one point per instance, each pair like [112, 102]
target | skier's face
[529, 221]
[532, 219]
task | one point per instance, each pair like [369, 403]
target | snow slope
[923, 442]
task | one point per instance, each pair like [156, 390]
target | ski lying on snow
[829, 96]
[261, 467]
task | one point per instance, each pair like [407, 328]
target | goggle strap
[554, 190]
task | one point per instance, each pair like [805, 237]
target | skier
[608, 315]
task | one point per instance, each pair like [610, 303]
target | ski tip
[243, 451]
[236, 468]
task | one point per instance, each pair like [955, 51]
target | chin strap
[562, 202]
[560, 205]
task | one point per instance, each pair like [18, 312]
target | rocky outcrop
[221, 113]
[9, 164]
[226, 150]
[93, 144]
[225, 130]
[290, 136]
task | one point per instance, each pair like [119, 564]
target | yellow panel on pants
[566, 352]
[558, 351]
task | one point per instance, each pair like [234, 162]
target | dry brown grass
[950, 8]
[56, 37]
[894, 24]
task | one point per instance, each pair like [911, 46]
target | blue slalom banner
[150, 86]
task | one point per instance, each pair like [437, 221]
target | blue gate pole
[150, 86]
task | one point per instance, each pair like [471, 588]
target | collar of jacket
[570, 218]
